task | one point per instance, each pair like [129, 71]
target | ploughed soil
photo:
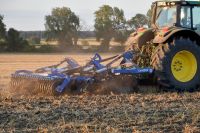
[169, 112]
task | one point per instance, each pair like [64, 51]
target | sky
[29, 15]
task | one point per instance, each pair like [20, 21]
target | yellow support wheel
[184, 66]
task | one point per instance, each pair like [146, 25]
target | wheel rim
[184, 66]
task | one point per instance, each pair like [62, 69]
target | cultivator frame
[69, 75]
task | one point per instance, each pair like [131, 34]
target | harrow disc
[34, 85]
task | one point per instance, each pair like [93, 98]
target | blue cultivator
[68, 75]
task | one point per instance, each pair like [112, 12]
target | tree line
[63, 25]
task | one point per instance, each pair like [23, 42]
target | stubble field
[151, 112]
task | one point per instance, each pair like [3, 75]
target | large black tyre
[171, 60]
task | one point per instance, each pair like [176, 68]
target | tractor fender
[161, 37]
[144, 37]
[141, 37]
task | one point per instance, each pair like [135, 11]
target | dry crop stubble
[170, 112]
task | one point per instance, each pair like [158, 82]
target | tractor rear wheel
[177, 64]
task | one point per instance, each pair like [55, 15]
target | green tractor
[174, 40]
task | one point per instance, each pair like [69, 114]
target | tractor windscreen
[166, 16]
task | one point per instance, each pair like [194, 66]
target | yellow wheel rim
[184, 66]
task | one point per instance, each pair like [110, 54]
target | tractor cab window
[166, 16]
[185, 17]
[196, 19]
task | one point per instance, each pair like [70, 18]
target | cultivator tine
[16, 82]
[34, 85]
[47, 86]
[42, 86]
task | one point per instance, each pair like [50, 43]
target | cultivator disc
[34, 84]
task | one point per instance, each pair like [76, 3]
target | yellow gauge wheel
[184, 66]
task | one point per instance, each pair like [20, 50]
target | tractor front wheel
[177, 64]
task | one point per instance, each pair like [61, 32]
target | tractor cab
[183, 14]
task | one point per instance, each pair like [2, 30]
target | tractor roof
[163, 3]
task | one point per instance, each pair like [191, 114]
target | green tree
[120, 25]
[2, 34]
[14, 42]
[62, 25]
[2, 28]
[149, 15]
[139, 20]
[109, 23]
